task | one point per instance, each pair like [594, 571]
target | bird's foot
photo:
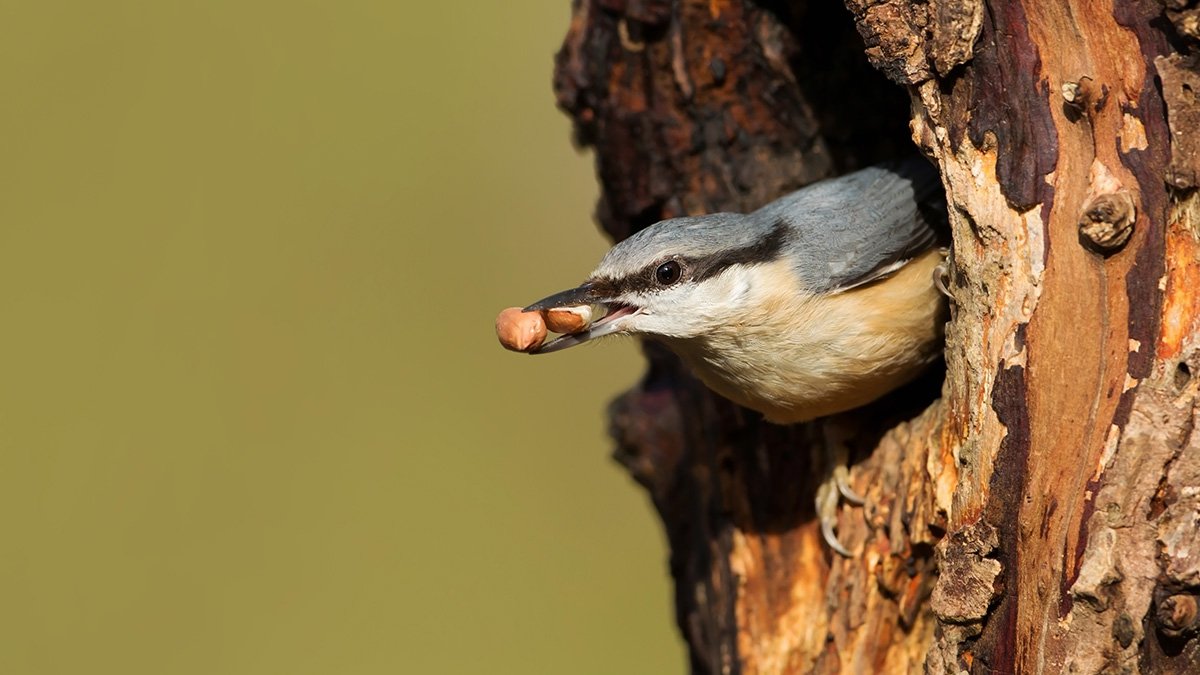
[941, 275]
[830, 493]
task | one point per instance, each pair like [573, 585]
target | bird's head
[678, 278]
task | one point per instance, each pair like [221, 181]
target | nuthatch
[817, 303]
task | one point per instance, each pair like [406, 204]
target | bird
[815, 304]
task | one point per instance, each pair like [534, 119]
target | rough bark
[1042, 515]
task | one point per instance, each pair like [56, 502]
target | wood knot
[1107, 221]
[1083, 97]
[1177, 615]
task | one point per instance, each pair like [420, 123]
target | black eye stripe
[762, 251]
[694, 269]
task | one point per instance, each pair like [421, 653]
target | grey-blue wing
[856, 228]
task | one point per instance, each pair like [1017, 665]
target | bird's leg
[836, 453]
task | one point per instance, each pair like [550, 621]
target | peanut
[568, 319]
[520, 331]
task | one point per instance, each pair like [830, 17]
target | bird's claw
[828, 493]
[841, 476]
[941, 275]
[827, 512]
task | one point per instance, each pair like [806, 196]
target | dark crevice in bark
[996, 645]
[1007, 101]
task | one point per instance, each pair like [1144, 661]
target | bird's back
[847, 229]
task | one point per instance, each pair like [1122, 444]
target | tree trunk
[1035, 505]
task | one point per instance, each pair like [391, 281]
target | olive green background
[252, 411]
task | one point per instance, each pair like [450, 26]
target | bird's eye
[668, 273]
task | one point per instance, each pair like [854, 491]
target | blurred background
[253, 417]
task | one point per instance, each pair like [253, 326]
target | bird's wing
[863, 226]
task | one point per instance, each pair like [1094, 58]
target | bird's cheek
[678, 326]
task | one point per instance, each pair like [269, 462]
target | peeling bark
[1043, 514]
[1054, 355]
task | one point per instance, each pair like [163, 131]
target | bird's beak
[613, 320]
[582, 295]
